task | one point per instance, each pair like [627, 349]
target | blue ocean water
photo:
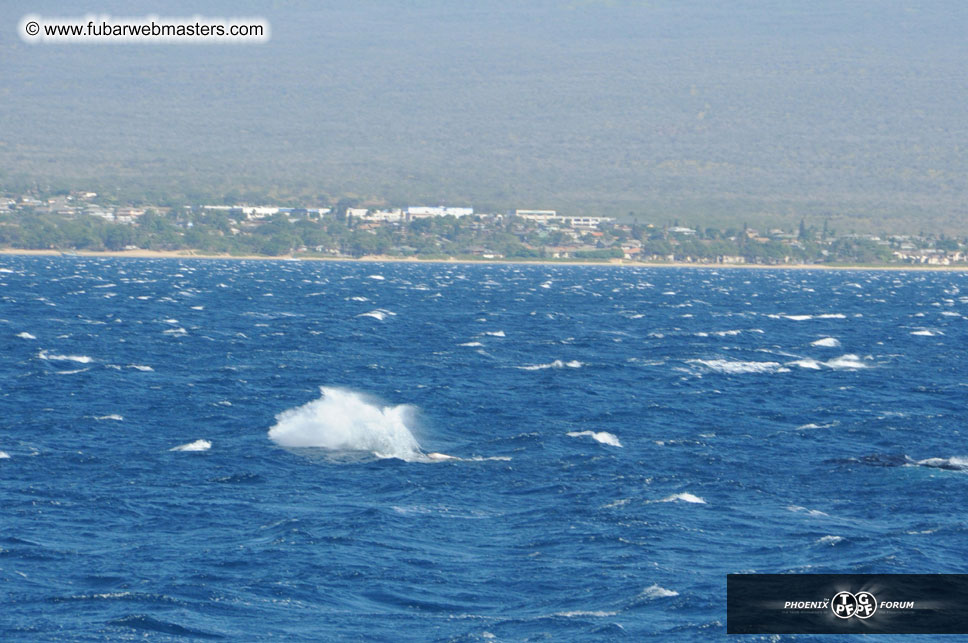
[462, 452]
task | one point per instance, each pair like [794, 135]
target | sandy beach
[191, 254]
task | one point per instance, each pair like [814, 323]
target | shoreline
[190, 254]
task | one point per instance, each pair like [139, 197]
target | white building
[587, 222]
[392, 215]
[423, 211]
[540, 216]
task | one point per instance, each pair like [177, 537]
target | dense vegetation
[483, 237]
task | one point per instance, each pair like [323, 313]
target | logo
[847, 605]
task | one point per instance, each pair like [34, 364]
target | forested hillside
[713, 114]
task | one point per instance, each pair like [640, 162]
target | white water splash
[343, 420]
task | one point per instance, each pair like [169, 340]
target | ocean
[304, 451]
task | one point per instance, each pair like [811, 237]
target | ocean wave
[141, 367]
[657, 591]
[924, 332]
[574, 613]
[80, 359]
[494, 333]
[555, 364]
[830, 540]
[827, 342]
[684, 497]
[807, 363]
[602, 437]
[25, 335]
[4, 455]
[809, 512]
[846, 362]
[197, 445]
[379, 314]
[731, 367]
[473, 344]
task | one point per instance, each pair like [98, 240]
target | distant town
[82, 221]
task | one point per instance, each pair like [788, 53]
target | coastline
[191, 254]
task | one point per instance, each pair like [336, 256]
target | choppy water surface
[307, 451]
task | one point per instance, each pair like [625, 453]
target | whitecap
[684, 497]
[471, 344]
[379, 314]
[358, 298]
[830, 540]
[924, 332]
[730, 367]
[555, 364]
[376, 277]
[602, 437]
[656, 591]
[81, 359]
[848, 361]
[575, 613]
[113, 416]
[809, 512]
[807, 363]
[25, 335]
[4, 455]
[141, 367]
[827, 342]
[494, 333]
[175, 332]
[832, 316]
[197, 445]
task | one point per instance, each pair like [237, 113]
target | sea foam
[344, 420]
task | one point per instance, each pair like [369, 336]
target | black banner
[847, 604]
